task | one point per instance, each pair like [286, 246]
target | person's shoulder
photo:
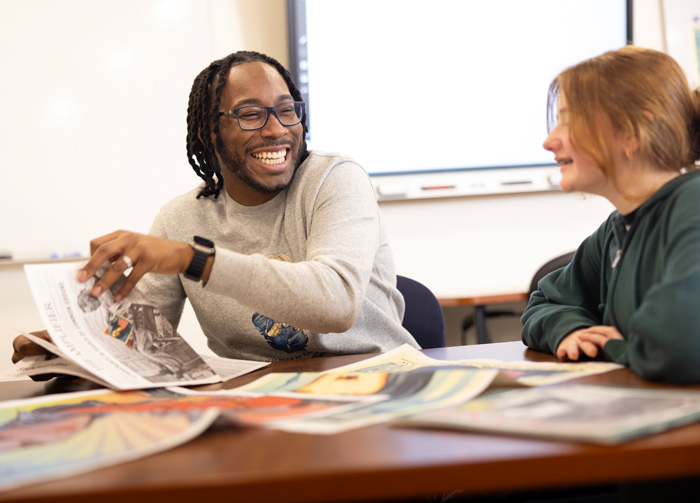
[320, 160]
[687, 188]
[692, 181]
[318, 167]
[682, 203]
[330, 171]
[187, 201]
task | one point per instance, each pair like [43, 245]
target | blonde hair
[636, 92]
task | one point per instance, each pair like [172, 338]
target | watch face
[203, 249]
[204, 241]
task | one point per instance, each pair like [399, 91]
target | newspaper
[592, 414]
[404, 382]
[123, 345]
[46, 437]
[53, 364]
[43, 438]
[54, 436]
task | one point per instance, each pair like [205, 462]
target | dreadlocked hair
[203, 116]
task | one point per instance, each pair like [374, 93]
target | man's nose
[273, 127]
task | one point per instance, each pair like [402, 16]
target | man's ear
[212, 138]
[199, 136]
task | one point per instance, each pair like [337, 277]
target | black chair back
[552, 265]
[423, 318]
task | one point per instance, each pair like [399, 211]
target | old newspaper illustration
[127, 344]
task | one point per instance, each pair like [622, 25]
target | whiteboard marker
[438, 187]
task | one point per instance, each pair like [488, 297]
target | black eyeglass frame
[268, 111]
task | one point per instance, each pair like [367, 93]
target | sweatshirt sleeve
[566, 299]
[164, 291]
[663, 341]
[325, 291]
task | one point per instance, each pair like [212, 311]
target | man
[281, 251]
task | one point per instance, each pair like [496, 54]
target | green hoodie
[643, 280]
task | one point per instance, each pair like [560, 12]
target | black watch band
[203, 249]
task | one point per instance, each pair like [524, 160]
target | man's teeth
[271, 157]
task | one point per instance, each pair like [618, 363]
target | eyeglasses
[254, 117]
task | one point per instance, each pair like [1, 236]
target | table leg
[482, 333]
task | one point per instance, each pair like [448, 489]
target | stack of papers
[129, 347]
[120, 345]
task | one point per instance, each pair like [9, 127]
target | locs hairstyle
[203, 116]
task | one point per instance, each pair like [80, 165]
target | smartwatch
[203, 249]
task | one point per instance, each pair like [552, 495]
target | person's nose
[273, 128]
[552, 142]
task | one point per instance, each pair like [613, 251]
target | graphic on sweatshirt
[278, 335]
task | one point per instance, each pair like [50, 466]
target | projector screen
[442, 86]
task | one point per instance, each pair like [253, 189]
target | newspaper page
[540, 373]
[407, 381]
[228, 368]
[54, 436]
[51, 367]
[127, 344]
[402, 382]
[593, 414]
[405, 358]
[50, 364]
[57, 363]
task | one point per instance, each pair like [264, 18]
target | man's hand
[588, 341]
[22, 346]
[143, 252]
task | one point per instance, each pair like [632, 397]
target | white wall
[34, 36]
[459, 247]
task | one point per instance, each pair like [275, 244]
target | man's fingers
[43, 377]
[96, 243]
[106, 248]
[131, 280]
[24, 347]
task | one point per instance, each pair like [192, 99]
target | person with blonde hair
[626, 126]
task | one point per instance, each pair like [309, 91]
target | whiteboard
[415, 86]
[93, 99]
[682, 30]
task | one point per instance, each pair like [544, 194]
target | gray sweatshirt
[308, 273]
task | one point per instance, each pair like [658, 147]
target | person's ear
[631, 146]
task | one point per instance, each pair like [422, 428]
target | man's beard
[237, 165]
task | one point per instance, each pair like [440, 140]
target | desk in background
[480, 314]
[369, 464]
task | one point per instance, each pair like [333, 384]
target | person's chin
[272, 183]
[566, 187]
[567, 183]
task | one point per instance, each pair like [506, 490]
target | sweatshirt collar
[666, 190]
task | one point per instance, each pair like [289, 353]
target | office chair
[552, 265]
[480, 314]
[423, 318]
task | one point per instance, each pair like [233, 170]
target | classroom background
[152, 50]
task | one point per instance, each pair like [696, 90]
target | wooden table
[372, 463]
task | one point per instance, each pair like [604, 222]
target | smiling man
[280, 251]
[259, 155]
